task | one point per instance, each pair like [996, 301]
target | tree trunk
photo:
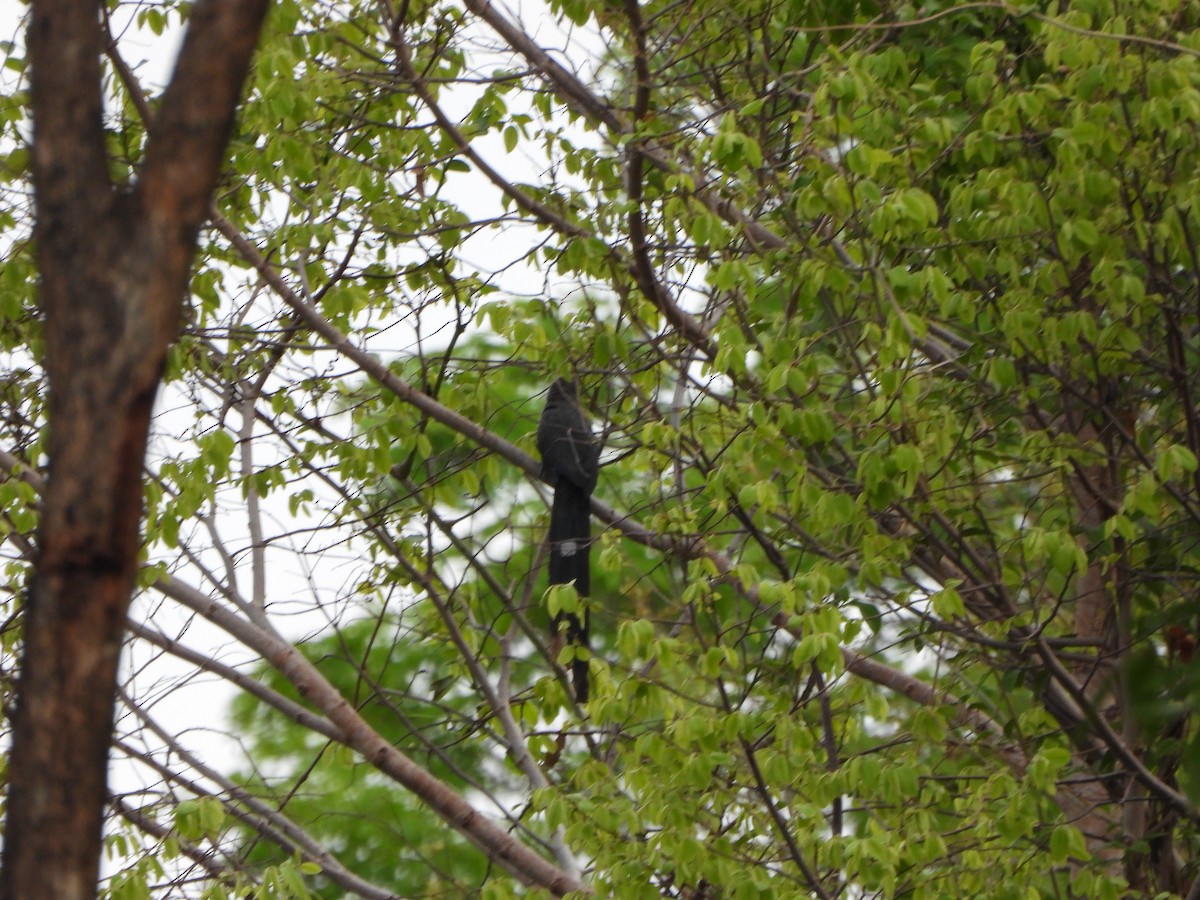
[114, 263]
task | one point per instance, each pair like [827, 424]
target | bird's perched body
[570, 462]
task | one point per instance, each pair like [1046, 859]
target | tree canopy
[887, 319]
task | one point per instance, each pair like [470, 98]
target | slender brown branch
[497, 844]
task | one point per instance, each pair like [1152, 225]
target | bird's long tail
[570, 546]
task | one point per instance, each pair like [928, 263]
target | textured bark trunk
[114, 264]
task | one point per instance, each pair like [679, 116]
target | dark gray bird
[570, 462]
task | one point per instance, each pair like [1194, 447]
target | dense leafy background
[888, 318]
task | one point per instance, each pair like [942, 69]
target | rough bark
[114, 263]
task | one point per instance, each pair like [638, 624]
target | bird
[570, 463]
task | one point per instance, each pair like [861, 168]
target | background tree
[887, 322]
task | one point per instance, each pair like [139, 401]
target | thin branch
[261, 817]
[497, 844]
[301, 715]
[258, 562]
[141, 820]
